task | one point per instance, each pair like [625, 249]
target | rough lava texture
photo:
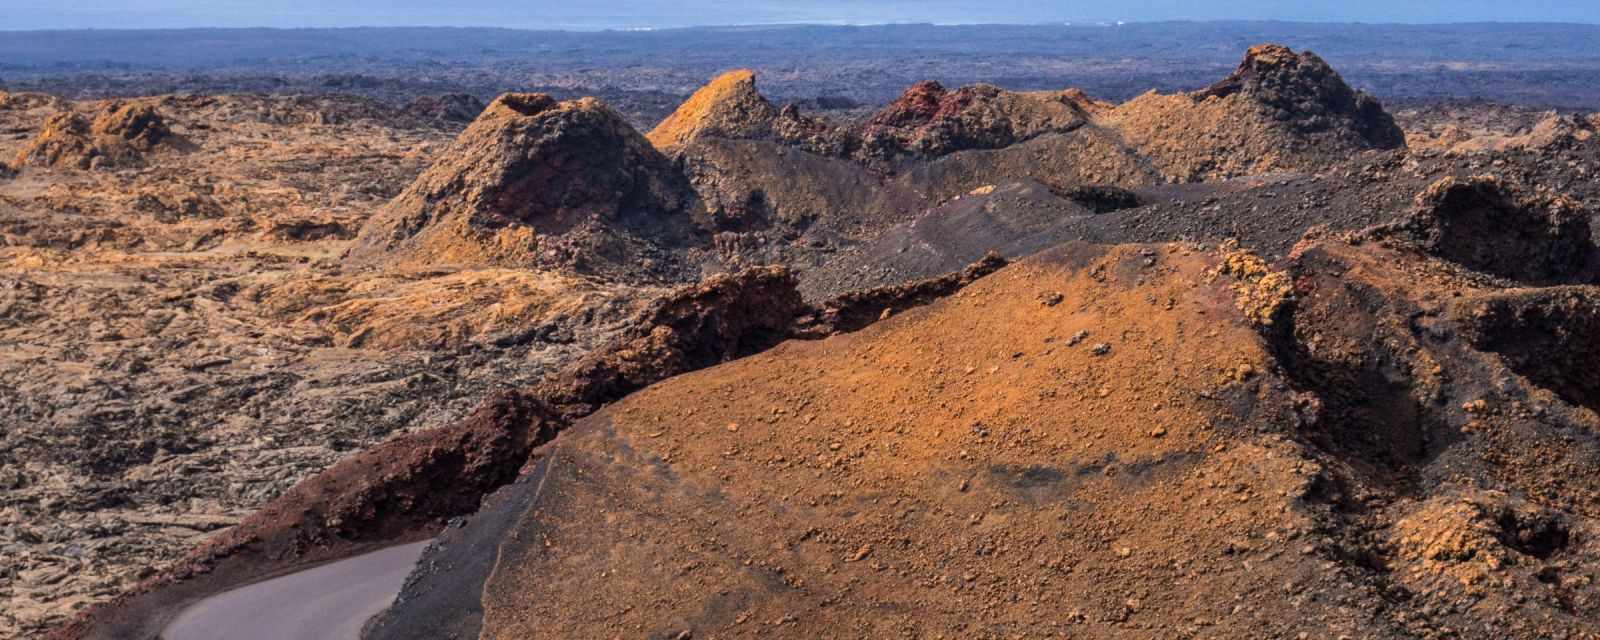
[1417, 461]
[1308, 94]
[1488, 226]
[118, 135]
[455, 108]
[533, 182]
[930, 121]
[411, 484]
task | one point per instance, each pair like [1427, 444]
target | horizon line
[569, 28]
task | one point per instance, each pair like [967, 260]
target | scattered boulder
[537, 182]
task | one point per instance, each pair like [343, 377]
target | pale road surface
[330, 602]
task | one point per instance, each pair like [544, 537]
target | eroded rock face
[536, 182]
[1471, 390]
[1488, 226]
[1551, 335]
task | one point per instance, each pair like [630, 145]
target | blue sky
[591, 14]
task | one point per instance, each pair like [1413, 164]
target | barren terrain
[1265, 358]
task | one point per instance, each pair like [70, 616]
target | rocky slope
[1158, 439]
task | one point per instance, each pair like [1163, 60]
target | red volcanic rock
[928, 120]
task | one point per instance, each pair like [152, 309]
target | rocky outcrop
[62, 142]
[929, 120]
[730, 108]
[1302, 91]
[1550, 335]
[533, 182]
[1487, 226]
[119, 135]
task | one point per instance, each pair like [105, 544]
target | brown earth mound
[727, 107]
[1278, 110]
[1308, 94]
[119, 135]
[536, 182]
[730, 108]
[1112, 456]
